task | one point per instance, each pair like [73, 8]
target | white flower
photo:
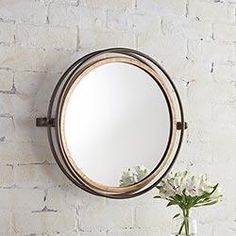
[133, 175]
[186, 191]
[181, 183]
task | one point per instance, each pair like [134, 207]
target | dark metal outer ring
[59, 107]
[71, 70]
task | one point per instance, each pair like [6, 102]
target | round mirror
[115, 118]
[115, 123]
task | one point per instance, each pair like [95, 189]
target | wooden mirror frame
[55, 120]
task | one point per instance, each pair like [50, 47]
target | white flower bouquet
[133, 175]
[185, 191]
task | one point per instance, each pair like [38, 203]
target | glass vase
[184, 226]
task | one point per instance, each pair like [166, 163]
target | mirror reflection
[116, 124]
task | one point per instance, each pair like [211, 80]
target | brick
[156, 45]
[216, 172]
[200, 152]
[200, 132]
[30, 59]
[211, 216]
[51, 222]
[29, 83]
[115, 4]
[224, 73]
[6, 80]
[96, 217]
[39, 175]
[162, 7]
[19, 114]
[20, 199]
[105, 39]
[25, 11]
[69, 196]
[223, 152]
[136, 232]
[25, 153]
[18, 119]
[7, 57]
[198, 113]
[5, 222]
[117, 20]
[34, 59]
[33, 153]
[146, 216]
[7, 33]
[198, 94]
[195, 71]
[92, 234]
[221, 132]
[46, 36]
[61, 14]
[58, 198]
[223, 113]
[7, 128]
[73, 195]
[7, 177]
[225, 32]
[211, 11]
[6, 106]
[92, 18]
[210, 51]
[202, 228]
[224, 228]
[136, 23]
[126, 21]
[66, 3]
[188, 28]
[8, 153]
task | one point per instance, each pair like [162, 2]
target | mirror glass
[116, 119]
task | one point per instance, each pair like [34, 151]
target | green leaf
[178, 197]
[176, 216]
[157, 197]
[214, 189]
[171, 203]
[206, 204]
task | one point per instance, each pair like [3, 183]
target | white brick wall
[46, 36]
[193, 39]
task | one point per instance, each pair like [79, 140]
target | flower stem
[186, 221]
[185, 224]
[181, 228]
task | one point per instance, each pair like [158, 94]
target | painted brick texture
[193, 39]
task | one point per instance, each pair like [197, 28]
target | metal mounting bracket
[45, 122]
[181, 125]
